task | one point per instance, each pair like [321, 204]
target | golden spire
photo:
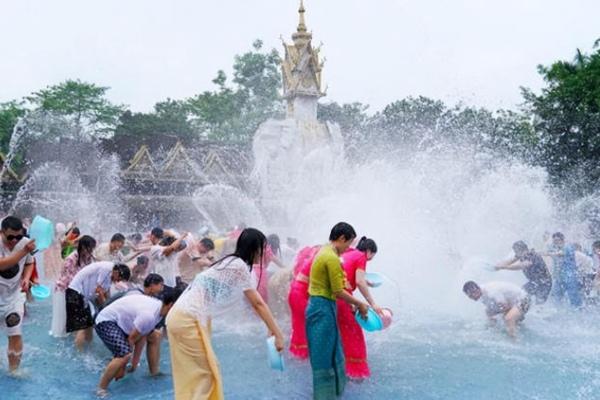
[301, 36]
[301, 23]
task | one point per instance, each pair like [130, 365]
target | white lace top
[217, 289]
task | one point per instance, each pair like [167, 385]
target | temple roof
[199, 163]
[179, 165]
[141, 164]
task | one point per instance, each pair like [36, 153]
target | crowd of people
[562, 273]
[135, 291]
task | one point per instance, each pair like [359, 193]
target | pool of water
[433, 357]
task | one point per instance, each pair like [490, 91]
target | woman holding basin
[354, 263]
[327, 284]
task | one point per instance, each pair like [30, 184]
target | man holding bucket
[16, 266]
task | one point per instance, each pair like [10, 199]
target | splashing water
[59, 194]
[223, 207]
[19, 131]
[439, 218]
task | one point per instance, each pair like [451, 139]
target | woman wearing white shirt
[195, 370]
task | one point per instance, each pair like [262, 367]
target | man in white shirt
[16, 266]
[112, 251]
[500, 298]
[90, 286]
[124, 326]
[163, 258]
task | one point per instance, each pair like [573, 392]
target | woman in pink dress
[73, 263]
[271, 254]
[354, 262]
[298, 300]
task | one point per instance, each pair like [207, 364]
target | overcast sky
[476, 51]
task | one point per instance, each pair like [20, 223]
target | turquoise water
[556, 357]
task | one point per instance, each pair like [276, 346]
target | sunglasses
[10, 238]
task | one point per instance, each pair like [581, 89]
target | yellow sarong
[195, 368]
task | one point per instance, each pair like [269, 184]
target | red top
[352, 260]
[304, 260]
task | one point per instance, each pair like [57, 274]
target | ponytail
[366, 244]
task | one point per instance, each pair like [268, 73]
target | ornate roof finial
[301, 23]
[301, 36]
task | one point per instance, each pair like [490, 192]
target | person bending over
[124, 327]
[501, 298]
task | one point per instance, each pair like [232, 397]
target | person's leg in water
[516, 315]
[114, 370]
[83, 337]
[15, 351]
[573, 289]
[13, 321]
[512, 318]
[558, 290]
[153, 352]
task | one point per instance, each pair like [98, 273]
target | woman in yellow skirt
[195, 368]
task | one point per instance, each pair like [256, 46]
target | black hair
[12, 223]
[250, 244]
[520, 246]
[135, 237]
[167, 241]
[169, 295]
[153, 279]
[365, 244]
[596, 244]
[117, 237]
[85, 243]
[208, 243]
[275, 243]
[470, 286]
[558, 235]
[75, 230]
[141, 260]
[342, 229]
[157, 232]
[123, 270]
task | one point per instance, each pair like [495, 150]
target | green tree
[170, 117]
[82, 104]
[10, 113]
[566, 117]
[411, 122]
[233, 112]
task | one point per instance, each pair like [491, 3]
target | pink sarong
[353, 338]
[298, 301]
[353, 342]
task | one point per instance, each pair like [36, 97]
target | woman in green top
[327, 283]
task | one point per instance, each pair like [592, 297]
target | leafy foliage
[566, 115]
[234, 112]
[10, 113]
[81, 103]
[170, 117]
